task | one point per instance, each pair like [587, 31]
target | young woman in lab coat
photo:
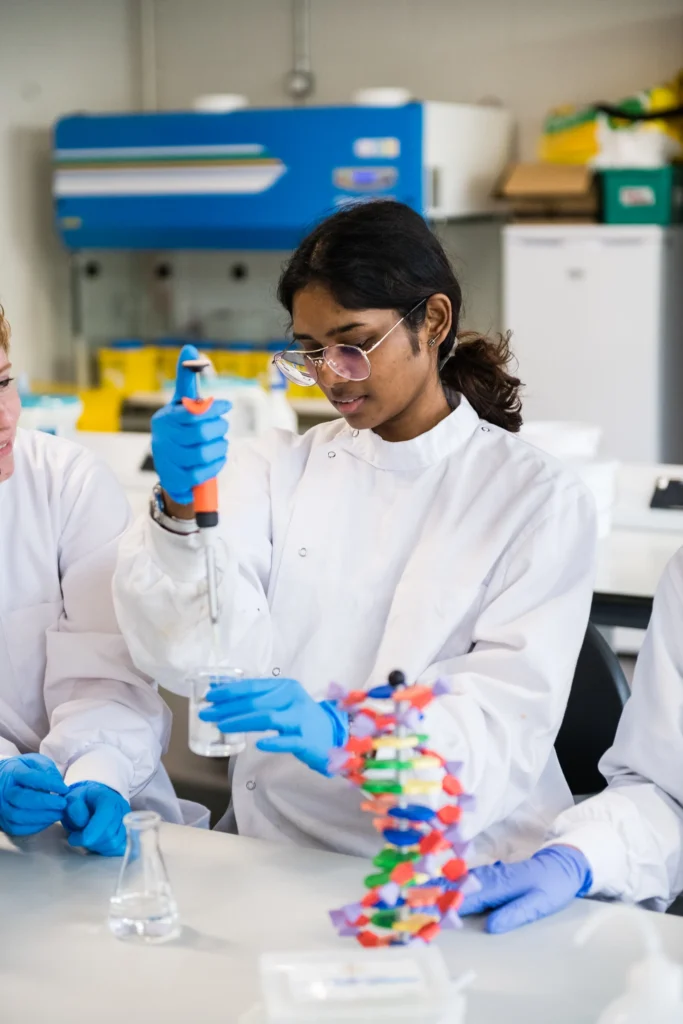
[416, 532]
[81, 732]
[626, 842]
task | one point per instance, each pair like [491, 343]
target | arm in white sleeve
[107, 722]
[160, 590]
[632, 833]
[509, 692]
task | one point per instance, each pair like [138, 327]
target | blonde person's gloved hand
[188, 449]
[32, 794]
[306, 728]
[93, 818]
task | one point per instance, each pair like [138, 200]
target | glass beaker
[143, 908]
[205, 738]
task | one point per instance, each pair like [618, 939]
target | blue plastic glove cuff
[340, 722]
[588, 877]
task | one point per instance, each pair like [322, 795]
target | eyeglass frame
[319, 360]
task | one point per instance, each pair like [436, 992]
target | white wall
[61, 55]
[531, 54]
[56, 56]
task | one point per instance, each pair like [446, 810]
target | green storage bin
[642, 196]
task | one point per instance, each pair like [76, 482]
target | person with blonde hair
[81, 730]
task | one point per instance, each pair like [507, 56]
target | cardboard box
[556, 192]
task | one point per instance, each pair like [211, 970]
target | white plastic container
[654, 985]
[220, 103]
[577, 445]
[654, 994]
[384, 96]
[53, 414]
[340, 986]
[601, 479]
[282, 414]
[569, 442]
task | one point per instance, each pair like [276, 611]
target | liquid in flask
[143, 908]
[205, 738]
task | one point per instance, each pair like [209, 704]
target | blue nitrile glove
[94, 818]
[306, 728]
[188, 449]
[530, 889]
[32, 794]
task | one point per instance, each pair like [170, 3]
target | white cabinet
[595, 312]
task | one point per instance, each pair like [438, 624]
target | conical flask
[143, 908]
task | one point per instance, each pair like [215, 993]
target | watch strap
[157, 510]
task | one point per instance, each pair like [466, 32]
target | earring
[432, 342]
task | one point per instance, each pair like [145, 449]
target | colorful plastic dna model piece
[422, 877]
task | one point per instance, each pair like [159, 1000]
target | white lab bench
[633, 557]
[240, 897]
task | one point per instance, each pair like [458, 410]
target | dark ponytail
[382, 255]
[479, 370]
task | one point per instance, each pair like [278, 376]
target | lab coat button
[276, 671]
[303, 552]
[486, 429]
[251, 785]
[331, 455]
[355, 433]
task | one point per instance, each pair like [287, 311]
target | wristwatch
[157, 510]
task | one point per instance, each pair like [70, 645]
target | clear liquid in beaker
[205, 738]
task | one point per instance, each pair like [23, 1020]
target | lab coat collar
[425, 450]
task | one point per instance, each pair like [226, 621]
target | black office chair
[596, 700]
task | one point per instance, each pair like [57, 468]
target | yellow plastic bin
[248, 359]
[298, 391]
[262, 358]
[127, 365]
[231, 358]
[101, 410]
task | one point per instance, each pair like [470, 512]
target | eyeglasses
[348, 361]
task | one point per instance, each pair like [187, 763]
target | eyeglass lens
[346, 361]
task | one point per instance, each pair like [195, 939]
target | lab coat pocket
[25, 641]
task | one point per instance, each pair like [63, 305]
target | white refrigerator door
[584, 304]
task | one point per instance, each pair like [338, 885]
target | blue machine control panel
[250, 179]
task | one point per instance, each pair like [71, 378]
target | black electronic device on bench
[668, 494]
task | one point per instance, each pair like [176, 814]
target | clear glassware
[143, 908]
[205, 738]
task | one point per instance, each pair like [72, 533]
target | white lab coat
[68, 687]
[464, 553]
[632, 832]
